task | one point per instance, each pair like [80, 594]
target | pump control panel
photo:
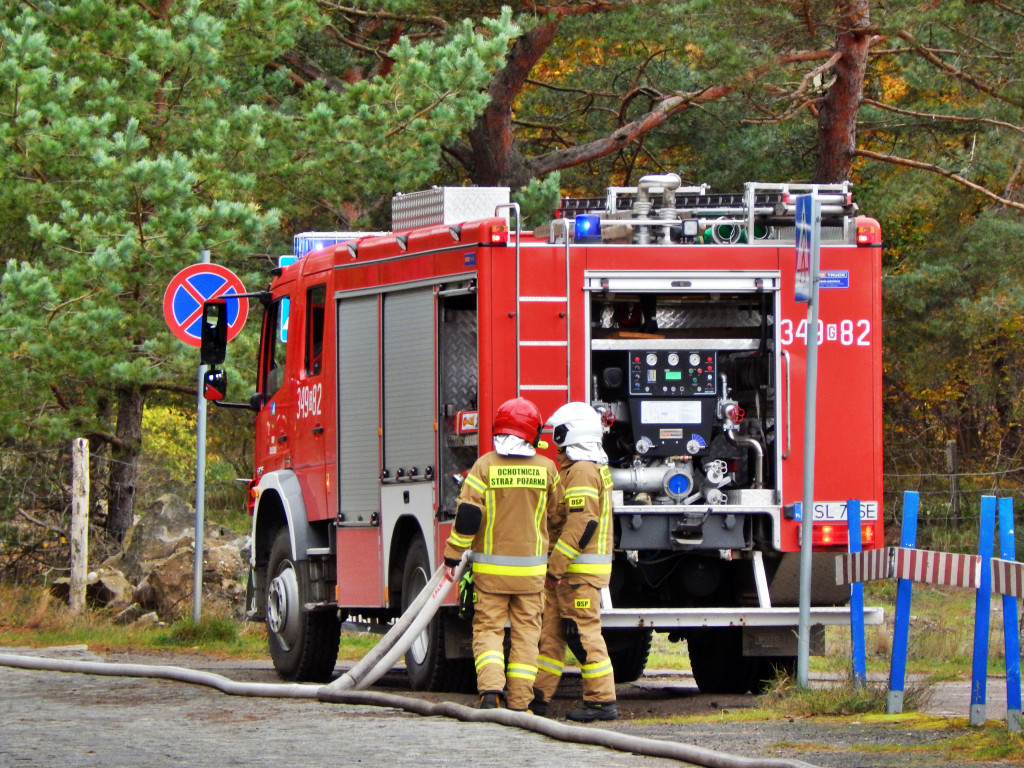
[673, 373]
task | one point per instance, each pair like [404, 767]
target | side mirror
[215, 384]
[213, 339]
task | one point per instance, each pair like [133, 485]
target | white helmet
[576, 423]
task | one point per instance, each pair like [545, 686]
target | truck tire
[718, 663]
[427, 665]
[628, 650]
[303, 644]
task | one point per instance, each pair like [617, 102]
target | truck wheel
[628, 650]
[426, 663]
[303, 644]
[718, 663]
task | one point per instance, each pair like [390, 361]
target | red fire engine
[671, 310]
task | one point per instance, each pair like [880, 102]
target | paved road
[72, 720]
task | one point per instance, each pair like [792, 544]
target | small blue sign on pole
[808, 235]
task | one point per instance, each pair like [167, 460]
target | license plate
[835, 511]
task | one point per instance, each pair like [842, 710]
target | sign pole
[808, 246]
[197, 575]
[184, 299]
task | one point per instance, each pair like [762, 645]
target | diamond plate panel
[458, 385]
[446, 205]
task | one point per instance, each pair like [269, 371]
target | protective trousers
[523, 613]
[580, 603]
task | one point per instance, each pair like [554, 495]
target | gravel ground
[61, 719]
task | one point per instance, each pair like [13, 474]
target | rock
[157, 557]
[162, 529]
[103, 587]
[150, 619]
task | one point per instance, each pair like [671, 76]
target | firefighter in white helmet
[579, 566]
[501, 515]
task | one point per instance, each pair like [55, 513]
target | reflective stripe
[596, 564]
[595, 568]
[582, 490]
[521, 671]
[594, 559]
[553, 666]
[511, 570]
[474, 482]
[489, 512]
[540, 523]
[490, 657]
[462, 542]
[605, 522]
[510, 560]
[597, 669]
[565, 549]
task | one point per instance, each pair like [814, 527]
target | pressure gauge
[652, 358]
[673, 358]
[694, 358]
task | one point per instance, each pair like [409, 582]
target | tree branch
[41, 523]
[955, 72]
[921, 166]
[939, 117]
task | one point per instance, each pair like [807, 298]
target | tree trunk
[495, 159]
[837, 119]
[124, 464]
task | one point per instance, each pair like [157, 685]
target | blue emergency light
[307, 242]
[587, 228]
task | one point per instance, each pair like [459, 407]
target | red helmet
[519, 417]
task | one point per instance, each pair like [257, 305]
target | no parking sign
[191, 288]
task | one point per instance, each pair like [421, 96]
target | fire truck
[672, 310]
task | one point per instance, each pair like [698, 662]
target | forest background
[134, 135]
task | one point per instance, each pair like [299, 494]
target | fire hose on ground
[348, 689]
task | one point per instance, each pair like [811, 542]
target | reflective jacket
[516, 494]
[585, 504]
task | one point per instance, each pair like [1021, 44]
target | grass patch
[33, 618]
[786, 698]
[667, 655]
[987, 743]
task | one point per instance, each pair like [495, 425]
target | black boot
[538, 706]
[593, 710]
[491, 700]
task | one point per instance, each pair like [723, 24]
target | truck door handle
[282, 439]
[318, 430]
[786, 398]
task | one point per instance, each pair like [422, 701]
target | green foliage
[538, 200]
[131, 141]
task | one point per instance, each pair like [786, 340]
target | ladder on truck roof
[534, 305]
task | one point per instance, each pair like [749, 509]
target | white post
[79, 522]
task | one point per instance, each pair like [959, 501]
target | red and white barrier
[1007, 577]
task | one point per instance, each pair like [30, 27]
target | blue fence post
[1011, 640]
[901, 631]
[860, 674]
[982, 610]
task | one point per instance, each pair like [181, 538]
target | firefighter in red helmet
[580, 565]
[501, 516]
